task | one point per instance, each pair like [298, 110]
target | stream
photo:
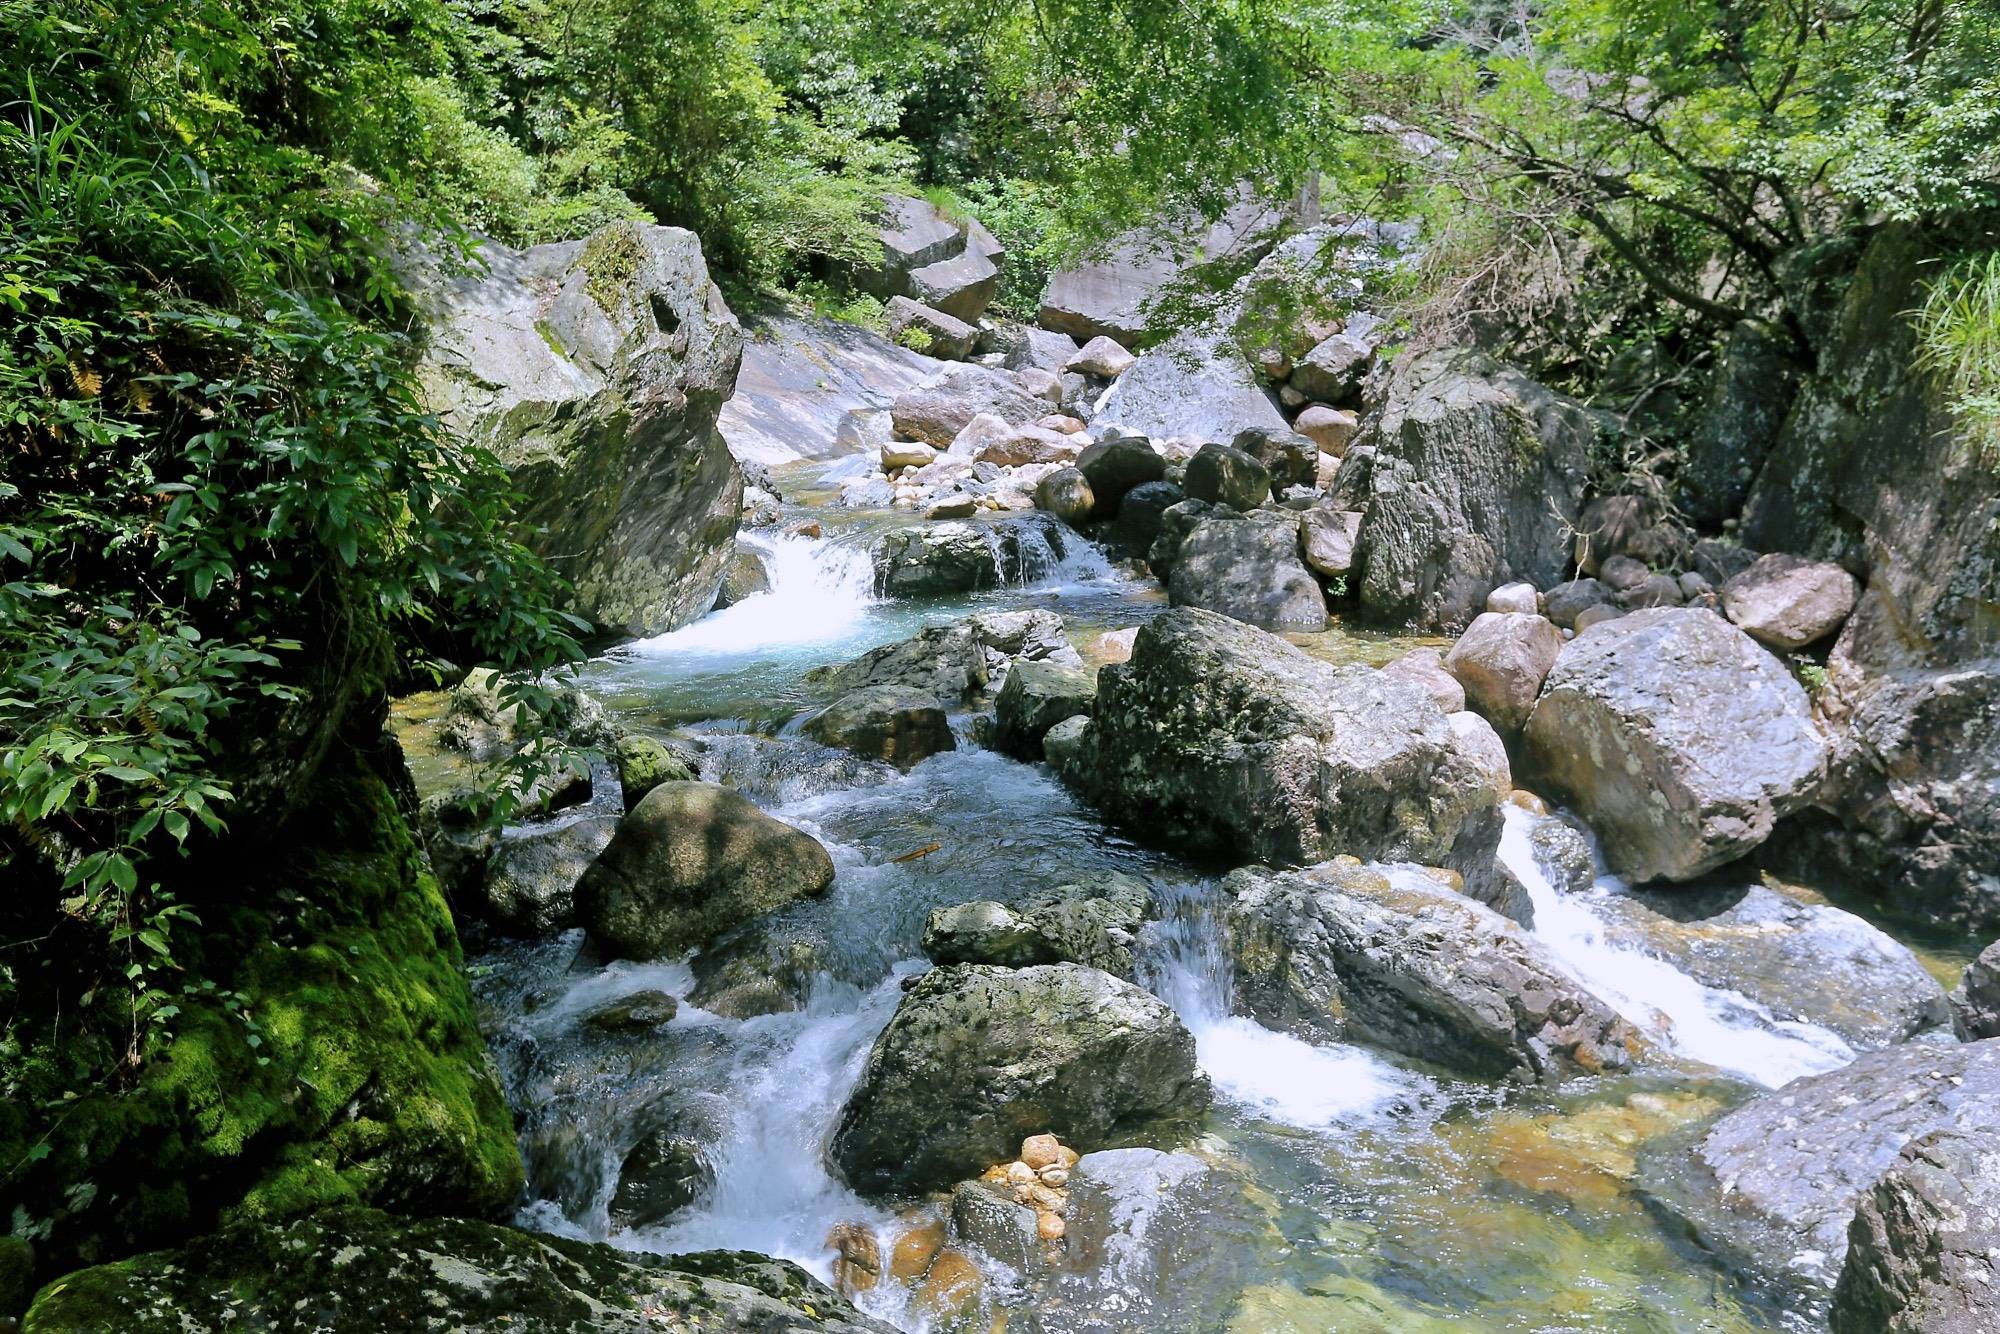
[1379, 1194]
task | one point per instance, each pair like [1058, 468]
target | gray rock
[533, 869]
[637, 1012]
[913, 233]
[1677, 738]
[942, 335]
[1610, 526]
[607, 357]
[1042, 348]
[1476, 739]
[1520, 598]
[1655, 590]
[1220, 736]
[1807, 962]
[1563, 853]
[959, 287]
[1102, 357]
[1787, 602]
[937, 410]
[1923, 1251]
[1975, 1001]
[689, 862]
[955, 661]
[1037, 696]
[986, 1217]
[1566, 601]
[813, 388]
[887, 722]
[1477, 475]
[661, 1175]
[1328, 537]
[1777, 1180]
[1141, 516]
[1622, 574]
[1291, 459]
[1095, 924]
[1425, 667]
[1117, 464]
[760, 968]
[1342, 951]
[743, 577]
[1749, 393]
[1065, 746]
[953, 556]
[1331, 429]
[1333, 370]
[1224, 475]
[357, 1269]
[977, 1058]
[1197, 385]
[1066, 494]
[1502, 659]
[1719, 560]
[1248, 567]
[1176, 522]
[1596, 615]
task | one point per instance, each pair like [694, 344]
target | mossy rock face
[325, 1052]
[359, 1271]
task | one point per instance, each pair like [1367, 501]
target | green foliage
[220, 485]
[1958, 338]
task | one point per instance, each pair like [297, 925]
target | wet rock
[957, 660]
[744, 577]
[644, 764]
[930, 331]
[1063, 746]
[1248, 568]
[1037, 696]
[1806, 962]
[582, 360]
[916, 1248]
[636, 1012]
[689, 862]
[857, 1262]
[1066, 494]
[1228, 739]
[1502, 659]
[977, 1057]
[661, 1175]
[757, 970]
[1328, 537]
[1101, 356]
[1344, 951]
[356, 1269]
[1677, 738]
[1224, 475]
[1975, 1002]
[936, 411]
[1331, 429]
[887, 722]
[1116, 465]
[1778, 1179]
[1095, 924]
[1563, 853]
[1477, 475]
[1925, 1242]
[1425, 667]
[1291, 459]
[1566, 601]
[985, 1215]
[1787, 602]
[1332, 371]
[961, 557]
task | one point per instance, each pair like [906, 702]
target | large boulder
[1290, 459]
[953, 556]
[1248, 567]
[1678, 739]
[1804, 962]
[1066, 494]
[806, 383]
[1390, 955]
[595, 371]
[1476, 479]
[1225, 475]
[1502, 659]
[1095, 924]
[937, 410]
[886, 722]
[1776, 1181]
[1115, 465]
[689, 862]
[928, 329]
[356, 1270]
[1196, 384]
[1333, 370]
[1975, 1001]
[957, 660]
[1035, 697]
[1925, 1242]
[1225, 738]
[1787, 602]
[977, 1058]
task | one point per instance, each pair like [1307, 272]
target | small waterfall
[820, 591]
[1719, 1028]
[1278, 1076]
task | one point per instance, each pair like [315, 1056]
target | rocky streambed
[1448, 1071]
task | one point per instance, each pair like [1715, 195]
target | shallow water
[1379, 1195]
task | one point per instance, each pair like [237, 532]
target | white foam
[820, 593]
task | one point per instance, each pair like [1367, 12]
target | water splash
[820, 592]
[1717, 1027]
[1275, 1075]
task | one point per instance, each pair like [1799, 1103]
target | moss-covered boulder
[359, 1271]
[322, 1051]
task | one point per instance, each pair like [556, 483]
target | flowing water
[1374, 1194]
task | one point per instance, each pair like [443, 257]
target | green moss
[351, 1069]
[611, 262]
[17, 1268]
[644, 764]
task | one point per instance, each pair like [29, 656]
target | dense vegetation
[226, 522]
